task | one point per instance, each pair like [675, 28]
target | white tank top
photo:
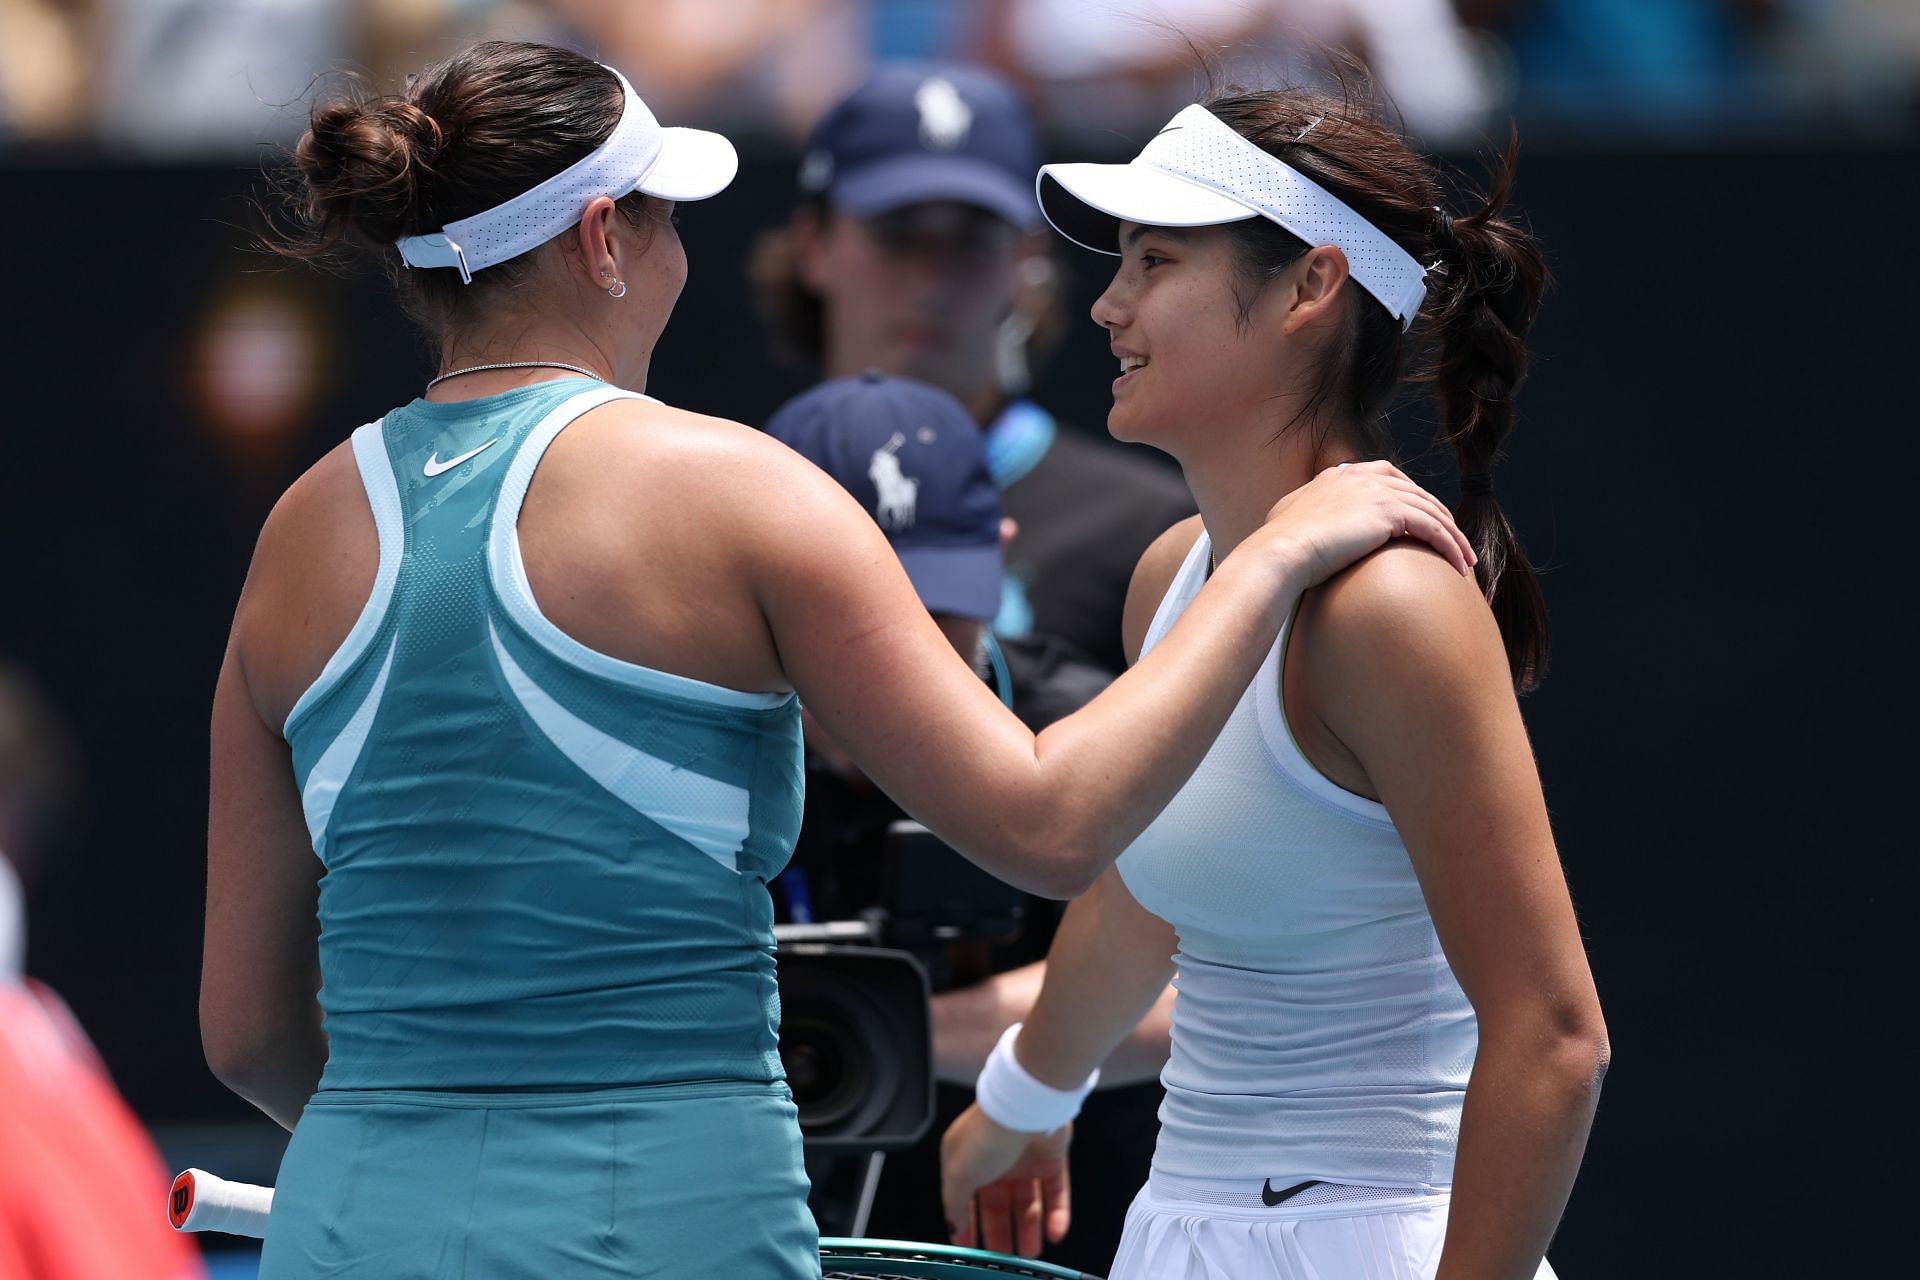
[1318, 1033]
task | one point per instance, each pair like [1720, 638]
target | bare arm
[968, 1022]
[1046, 813]
[1107, 969]
[259, 1012]
[1405, 667]
[259, 1016]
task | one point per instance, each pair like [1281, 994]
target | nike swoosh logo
[1270, 1197]
[434, 466]
[1169, 129]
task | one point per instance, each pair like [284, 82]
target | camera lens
[828, 1070]
[853, 1045]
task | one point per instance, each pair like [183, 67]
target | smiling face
[1187, 357]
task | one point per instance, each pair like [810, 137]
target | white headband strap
[615, 168]
[1203, 149]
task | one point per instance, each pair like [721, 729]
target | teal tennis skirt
[685, 1180]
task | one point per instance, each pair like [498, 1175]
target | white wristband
[1013, 1099]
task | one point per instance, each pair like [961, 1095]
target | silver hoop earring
[619, 289]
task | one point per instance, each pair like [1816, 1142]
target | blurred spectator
[82, 1189]
[45, 83]
[1665, 67]
[1104, 66]
[728, 64]
[198, 78]
[202, 78]
[923, 30]
[1866, 51]
[1097, 67]
[206, 77]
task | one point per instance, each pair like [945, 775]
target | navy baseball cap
[920, 131]
[913, 457]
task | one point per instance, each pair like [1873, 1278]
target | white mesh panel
[1204, 149]
[529, 220]
[1200, 149]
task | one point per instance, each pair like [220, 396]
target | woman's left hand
[1002, 1186]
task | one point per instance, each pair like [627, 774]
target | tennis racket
[842, 1259]
[201, 1201]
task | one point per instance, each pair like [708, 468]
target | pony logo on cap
[899, 492]
[945, 117]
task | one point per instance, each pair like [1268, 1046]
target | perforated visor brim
[693, 165]
[1086, 203]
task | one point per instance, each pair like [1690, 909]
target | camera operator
[915, 251]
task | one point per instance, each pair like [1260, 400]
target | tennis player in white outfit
[1387, 1047]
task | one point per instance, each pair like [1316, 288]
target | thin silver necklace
[517, 364]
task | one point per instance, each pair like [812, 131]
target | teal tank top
[543, 867]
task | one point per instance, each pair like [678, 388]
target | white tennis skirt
[1183, 1231]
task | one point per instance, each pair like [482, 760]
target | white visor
[639, 155]
[1199, 172]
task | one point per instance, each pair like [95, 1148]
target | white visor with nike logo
[639, 155]
[1198, 172]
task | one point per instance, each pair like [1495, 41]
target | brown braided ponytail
[1482, 296]
[1492, 276]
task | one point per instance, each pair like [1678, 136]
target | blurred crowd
[207, 78]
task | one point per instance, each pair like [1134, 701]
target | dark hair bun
[362, 161]
[463, 135]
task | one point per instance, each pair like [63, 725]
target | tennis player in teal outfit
[521, 664]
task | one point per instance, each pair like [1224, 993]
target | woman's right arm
[1045, 813]
[1109, 964]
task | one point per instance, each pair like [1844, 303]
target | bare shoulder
[763, 509]
[313, 567]
[313, 503]
[702, 454]
[321, 528]
[1159, 564]
[1399, 617]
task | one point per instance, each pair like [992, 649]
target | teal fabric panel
[492, 916]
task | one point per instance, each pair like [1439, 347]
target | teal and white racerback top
[544, 867]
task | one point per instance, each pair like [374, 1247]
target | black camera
[856, 1022]
[856, 1038]
[930, 895]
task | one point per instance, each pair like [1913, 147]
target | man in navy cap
[911, 456]
[915, 251]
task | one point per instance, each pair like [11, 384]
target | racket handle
[201, 1202]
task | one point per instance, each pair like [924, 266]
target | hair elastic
[1476, 484]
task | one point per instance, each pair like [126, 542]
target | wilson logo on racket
[180, 1204]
